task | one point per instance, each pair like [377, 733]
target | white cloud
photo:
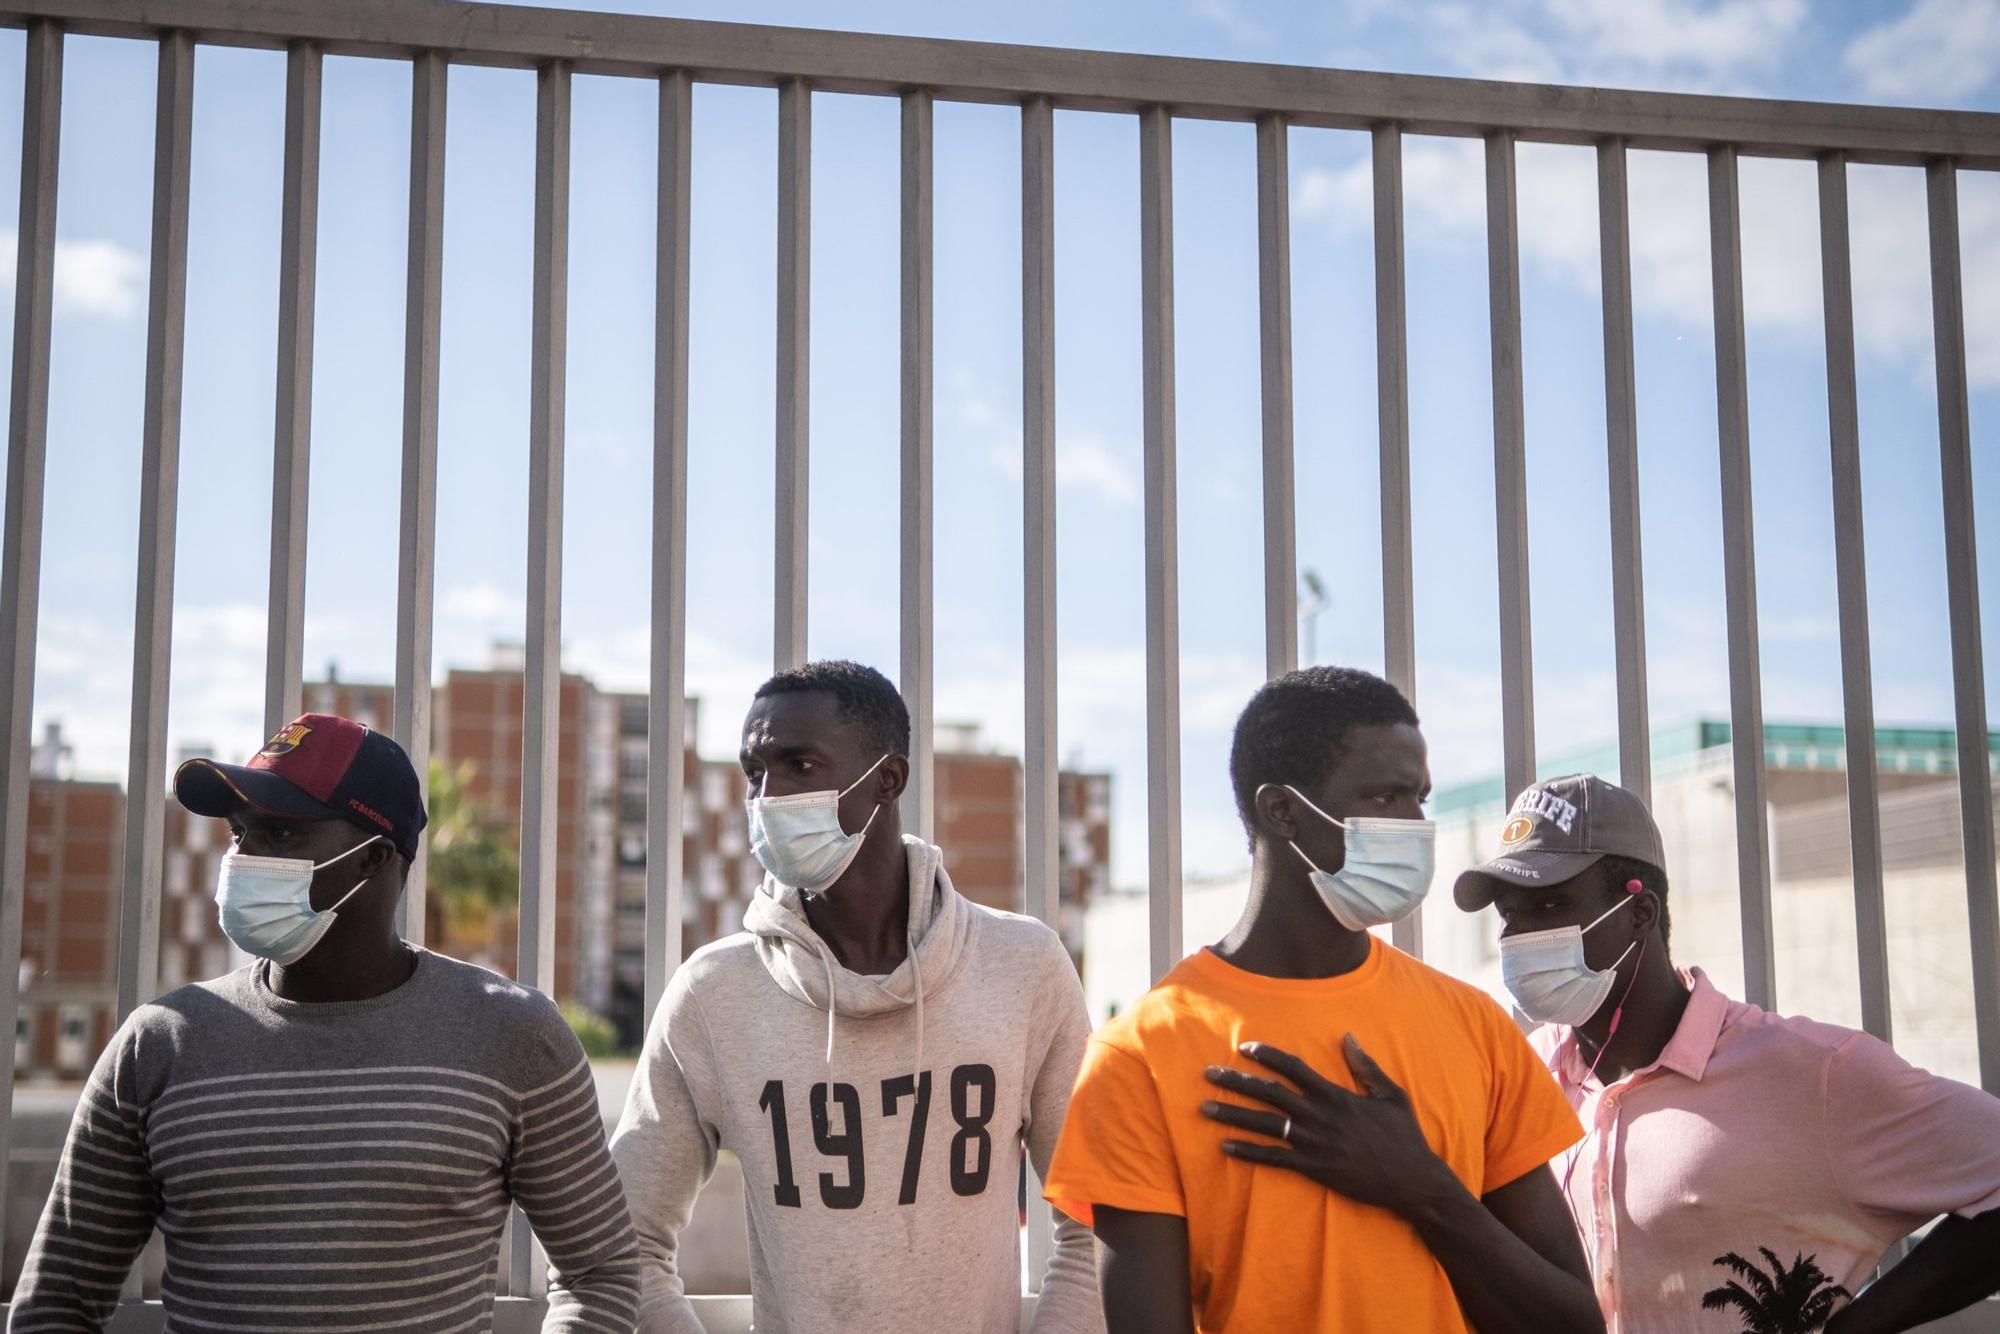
[83, 680]
[483, 604]
[1085, 462]
[1444, 183]
[1938, 49]
[1491, 42]
[93, 278]
[1717, 38]
[1680, 44]
[218, 677]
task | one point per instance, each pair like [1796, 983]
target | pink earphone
[1610, 1032]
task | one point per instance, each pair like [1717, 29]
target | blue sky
[1934, 52]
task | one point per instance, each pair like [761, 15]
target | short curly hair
[1296, 726]
[866, 698]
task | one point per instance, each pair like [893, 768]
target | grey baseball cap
[1559, 828]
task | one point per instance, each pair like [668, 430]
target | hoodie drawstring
[917, 979]
[826, 957]
[917, 975]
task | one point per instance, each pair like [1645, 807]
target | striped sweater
[341, 1166]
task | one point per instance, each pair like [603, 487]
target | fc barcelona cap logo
[288, 739]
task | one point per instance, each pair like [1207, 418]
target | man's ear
[1645, 912]
[1277, 811]
[892, 779]
[377, 857]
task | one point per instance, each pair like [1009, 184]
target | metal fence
[434, 35]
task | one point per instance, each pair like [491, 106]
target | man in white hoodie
[874, 1049]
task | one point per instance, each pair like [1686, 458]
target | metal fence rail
[434, 35]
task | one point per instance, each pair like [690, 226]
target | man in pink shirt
[1740, 1170]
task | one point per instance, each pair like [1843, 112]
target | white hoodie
[872, 1206]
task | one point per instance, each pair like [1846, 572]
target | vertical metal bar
[159, 483]
[666, 714]
[298, 259]
[788, 643]
[1392, 406]
[1510, 463]
[21, 557]
[1163, 665]
[1968, 673]
[918, 799]
[1621, 439]
[1850, 558]
[1739, 576]
[1274, 287]
[417, 560]
[1043, 865]
[541, 728]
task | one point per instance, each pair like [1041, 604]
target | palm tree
[474, 874]
[1794, 1299]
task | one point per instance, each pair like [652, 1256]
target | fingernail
[1208, 1109]
[1245, 1047]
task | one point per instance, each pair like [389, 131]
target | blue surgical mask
[1386, 873]
[1549, 977]
[266, 903]
[798, 839]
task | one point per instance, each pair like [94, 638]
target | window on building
[73, 1037]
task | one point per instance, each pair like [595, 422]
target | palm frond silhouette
[1790, 1299]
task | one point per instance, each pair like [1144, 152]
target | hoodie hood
[805, 968]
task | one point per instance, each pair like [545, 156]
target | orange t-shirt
[1268, 1249]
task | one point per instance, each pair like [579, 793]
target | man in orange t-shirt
[1393, 1177]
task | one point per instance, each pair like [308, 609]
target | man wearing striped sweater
[330, 1139]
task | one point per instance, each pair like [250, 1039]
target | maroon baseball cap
[318, 767]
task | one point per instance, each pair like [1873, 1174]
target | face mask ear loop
[358, 884]
[1336, 823]
[321, 866]
[864, 777]
[342, 903]
[1605, 914]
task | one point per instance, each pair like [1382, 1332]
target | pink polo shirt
[1757, 1131]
